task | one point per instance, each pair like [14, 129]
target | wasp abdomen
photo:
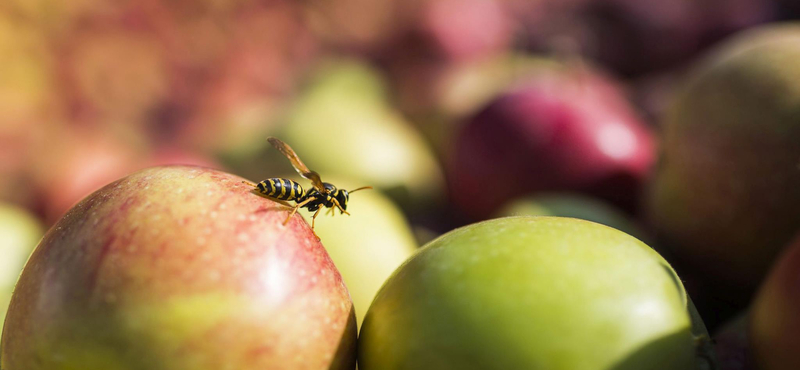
[283, 189]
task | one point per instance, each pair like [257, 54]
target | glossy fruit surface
[179, 268]
[530, 292]
[561, 128]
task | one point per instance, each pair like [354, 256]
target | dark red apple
[564, 128]
[179, 268]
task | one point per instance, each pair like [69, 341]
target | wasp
[322, 194]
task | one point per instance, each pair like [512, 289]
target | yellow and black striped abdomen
[283, 189]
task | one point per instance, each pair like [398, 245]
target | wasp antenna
[361, 188]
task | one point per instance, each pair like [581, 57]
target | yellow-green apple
[725, 197]
[343, 125]
[19, 233]
[179, 268]
[774, 327]
[368, 245]
[530, 292]
[565, 128]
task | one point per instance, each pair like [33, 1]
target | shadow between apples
[345, 357]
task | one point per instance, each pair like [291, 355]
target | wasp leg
[294, 210]
[336, 202]
[249, 183]
[314, 218]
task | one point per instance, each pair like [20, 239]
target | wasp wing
[298, 165]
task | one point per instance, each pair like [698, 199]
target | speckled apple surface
[179, 268]
[530, 293]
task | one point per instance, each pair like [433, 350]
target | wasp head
[342, 196]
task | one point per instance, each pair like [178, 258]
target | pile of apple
[526, 212]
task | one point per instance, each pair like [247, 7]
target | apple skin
[19, 233]
[530, 292]
[563, 128]
[724, 198]
[179, 268]
[774, 326]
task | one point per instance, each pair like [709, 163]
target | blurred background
[455, 110]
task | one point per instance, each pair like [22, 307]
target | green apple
[343, 125]
[179, 268]
[573, 205]
[368, 245]
[530, 293]
[726, 196]
[19, 233]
